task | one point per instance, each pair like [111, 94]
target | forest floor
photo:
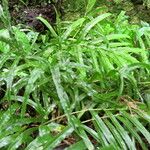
[26, 14]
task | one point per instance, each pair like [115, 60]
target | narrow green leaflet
[7, 115]
[85, 138]
[22, 40]
[39, 142]
[110, 37]
[143, 114]
[7, 140]
[82, 134]
[21, 138]
[3, 59]
[58, 139]
[75, 25]
[93, 22]
[133, 132]
[90, 5]
[77, 146]
[47, 24]
[116, 134]
[122, 132]
[106, 132]
[60, 91]
[35, 75]
[138, 125]
[92, 132]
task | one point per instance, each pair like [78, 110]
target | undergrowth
[84, 83]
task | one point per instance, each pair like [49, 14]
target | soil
[26, 14]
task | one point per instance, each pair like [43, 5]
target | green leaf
[35, 75]
[60, 91]
[106, 132]
[77, 146]
[122, 132]
[4, 35]
[138, 125]
[116, 134]
[90, 5]
[7, 115]
[22, 138]
[22, 40]
[93, 22]
[92, 132]
[81, 132]
[133, 132]
[85, 138]
[47, 24]
[143, 114]
[58, 139]
[75, 25]
[7, 140]
[39, 142]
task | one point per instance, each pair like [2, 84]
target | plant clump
[82, 84]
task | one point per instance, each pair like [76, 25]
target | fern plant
[86, 80]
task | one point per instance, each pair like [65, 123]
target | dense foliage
[82, 83]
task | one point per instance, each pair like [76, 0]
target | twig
[84, 110]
